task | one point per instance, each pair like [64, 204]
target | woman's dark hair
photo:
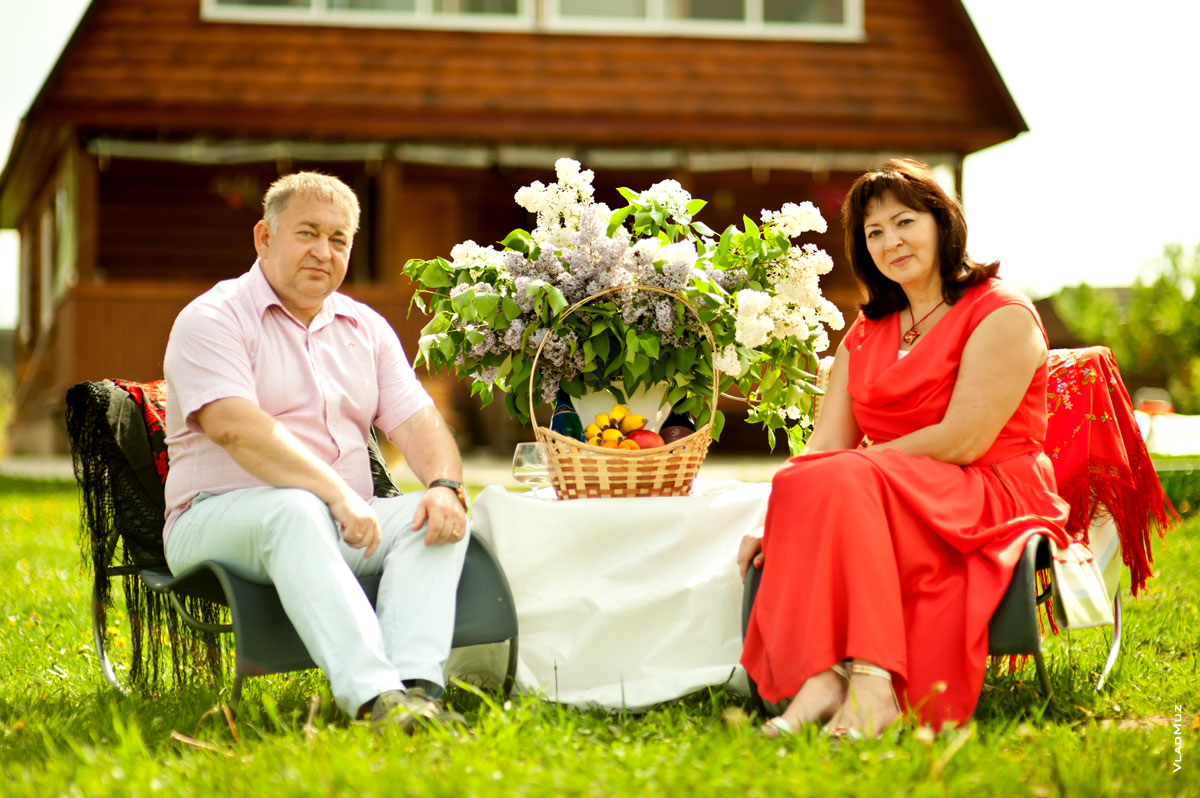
[911, 183]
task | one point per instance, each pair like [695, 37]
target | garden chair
[117, 445]
[1104, 472]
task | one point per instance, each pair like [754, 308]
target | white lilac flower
[647, 248]
[471, 256]
[753, 331]
[679, 253]
[726, 361]
[793, 220]
[831, 315]
[670, 197]
[751, 303]
[530, 197]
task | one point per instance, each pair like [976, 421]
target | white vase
[651, 403]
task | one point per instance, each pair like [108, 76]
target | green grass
[63, 732]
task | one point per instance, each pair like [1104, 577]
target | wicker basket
[580, 470]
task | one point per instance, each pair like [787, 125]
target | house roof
[921, 81]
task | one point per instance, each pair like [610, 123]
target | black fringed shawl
[118, 446]
[119, 452]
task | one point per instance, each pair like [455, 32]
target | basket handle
[686, 303]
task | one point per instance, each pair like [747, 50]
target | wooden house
[136, 174]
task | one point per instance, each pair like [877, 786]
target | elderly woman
[891, 540]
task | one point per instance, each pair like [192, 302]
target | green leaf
[629, 194]
[631, 344]
[649, 344]
[695, 206]
[685, 358]
[601, 346]
[703, 229]
[751, 228]
[486, 303]
[511, 309]
[558, 302]
[618, 218]
[718, 425]
[518, 240]
[445, 345]
[436, 274]
[462, 301]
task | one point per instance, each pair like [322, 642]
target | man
[274, 381]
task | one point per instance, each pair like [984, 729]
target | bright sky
[1090, 194]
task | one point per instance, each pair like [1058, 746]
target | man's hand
[749, 551]
[358, 522]
[443, 511]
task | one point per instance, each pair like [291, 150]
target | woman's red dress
[895, 559]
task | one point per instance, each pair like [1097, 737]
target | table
[624, 603]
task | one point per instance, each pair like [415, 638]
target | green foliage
[63, 732]
[1154, 332]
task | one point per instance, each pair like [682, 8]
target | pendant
[911, 336]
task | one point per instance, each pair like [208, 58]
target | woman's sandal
[849, 732]
[780, 724]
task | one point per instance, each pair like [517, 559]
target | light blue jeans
[287, 537]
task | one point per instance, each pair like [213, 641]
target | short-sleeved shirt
[326, 383]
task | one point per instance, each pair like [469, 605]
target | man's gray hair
[308, 184]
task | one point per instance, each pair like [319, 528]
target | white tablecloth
[622, 602]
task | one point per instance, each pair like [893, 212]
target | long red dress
[895, 559]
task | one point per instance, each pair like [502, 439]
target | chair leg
[1114, 652]
[510, 677]
[98, 638]
[1043, 675]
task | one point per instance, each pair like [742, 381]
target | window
[820, 19]
[785, 19]
[502, 14]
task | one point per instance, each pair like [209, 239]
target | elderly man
[274, 382]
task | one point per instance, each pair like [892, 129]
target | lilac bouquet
[755, 291]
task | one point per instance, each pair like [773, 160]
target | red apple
[645, 439]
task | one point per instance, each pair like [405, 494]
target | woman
[885, 558]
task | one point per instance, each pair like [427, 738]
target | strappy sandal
[781, 725]
[850, 733]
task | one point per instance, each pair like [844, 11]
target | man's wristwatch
[457, 487]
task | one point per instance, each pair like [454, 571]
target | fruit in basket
[611, 434]
[610, 444]
[645, 439]
[632, 422]
[603, 421]
[628, 443]
[592, 431]
[617, 413]
[674, 433]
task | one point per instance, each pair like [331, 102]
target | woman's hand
[749, 551]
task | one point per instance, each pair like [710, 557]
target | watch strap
[457, 487]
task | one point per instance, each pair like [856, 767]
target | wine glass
[530, 465]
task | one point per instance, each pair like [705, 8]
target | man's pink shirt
[327, 383]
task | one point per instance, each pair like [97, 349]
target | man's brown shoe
[410, 710]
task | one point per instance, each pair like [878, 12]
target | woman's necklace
[910, 337]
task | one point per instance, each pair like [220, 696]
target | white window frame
[422, 17]
[752, 26]
[543, 16]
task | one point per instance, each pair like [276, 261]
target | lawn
[64, 732]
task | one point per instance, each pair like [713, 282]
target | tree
[1153, 328]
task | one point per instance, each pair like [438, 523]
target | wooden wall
[920, 80]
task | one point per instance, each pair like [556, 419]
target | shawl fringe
[121, 525]
[1100, 461]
